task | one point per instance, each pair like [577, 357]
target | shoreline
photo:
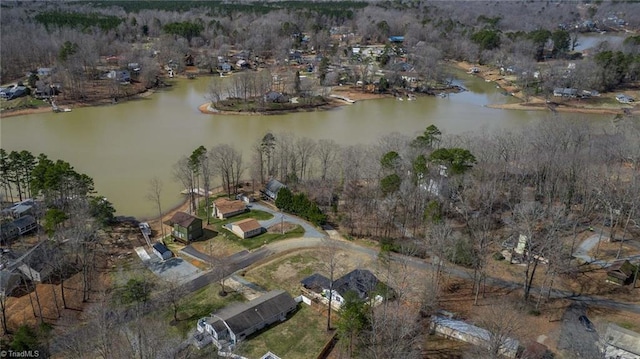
[535, 103]
[72, 105]
[346, 91]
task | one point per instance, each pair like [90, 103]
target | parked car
[586, 323]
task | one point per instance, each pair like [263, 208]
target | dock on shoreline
[342, 98]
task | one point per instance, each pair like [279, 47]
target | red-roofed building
[224, 208]
[246, 228]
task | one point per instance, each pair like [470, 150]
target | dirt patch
[281, 227]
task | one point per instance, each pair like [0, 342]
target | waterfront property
[272, 187]
[622, 98]
[186, 227]
[565, 92]
[236, 322]
[246, 228]
[224, 208]
[37, 263]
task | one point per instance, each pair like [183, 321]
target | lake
[123, 146]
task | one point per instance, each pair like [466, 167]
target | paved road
[244, 259]
[574, 336]
[582, 252]
[316, 239]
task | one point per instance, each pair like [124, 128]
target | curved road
[315, 239]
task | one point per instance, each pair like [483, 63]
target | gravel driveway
[309, 230]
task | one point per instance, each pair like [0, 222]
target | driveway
[309, 230]
[582, 252]
[574, 336]
[174, 268]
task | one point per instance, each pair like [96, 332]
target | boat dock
[146, 232]
[343, 98]
[55, 108]
[198, 191]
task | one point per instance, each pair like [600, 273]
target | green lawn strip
[197, 305]
[302, 336]
[265, 238]
[24, 102]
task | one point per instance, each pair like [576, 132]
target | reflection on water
[123, 146]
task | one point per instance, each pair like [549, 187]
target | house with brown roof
[246, 228]
[224, 208]
[186, 227]
[235, 323]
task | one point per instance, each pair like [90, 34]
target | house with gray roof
[235, 323]
[9, 280]
[272, 187]
[361, 282]
[37, 264]
[621, 343]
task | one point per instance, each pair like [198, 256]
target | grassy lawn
[302, 336]
[286, 273]
[254, 213]
[197, 305]
[265, 238]
[22, 103]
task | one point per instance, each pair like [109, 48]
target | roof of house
[274, 185]
[621, 269]
[360, 281]
[8, 281]
[40, 257]
[623, 338]
[161, 248]
[242, 316]
[509, 344]
[316, 282]
[247, 225]
[182, 219]
[225, 205]
[24, 221]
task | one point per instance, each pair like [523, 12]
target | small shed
[621, 272]
[162, 251]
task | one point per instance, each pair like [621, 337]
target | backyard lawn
[302, 336]
[197, 305]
